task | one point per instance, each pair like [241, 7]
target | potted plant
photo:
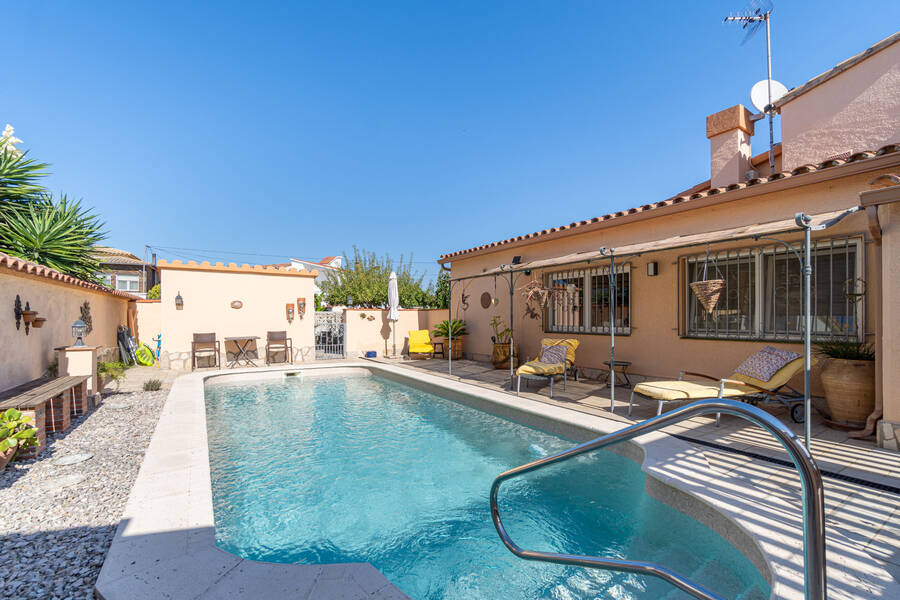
[501, 337]
[15, 434]
[849, 380]
[458, 328]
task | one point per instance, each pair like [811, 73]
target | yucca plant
[57, 233]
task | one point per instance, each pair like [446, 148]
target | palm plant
[57, 233]
[443, 328]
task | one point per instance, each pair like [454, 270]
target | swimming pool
[358, 468]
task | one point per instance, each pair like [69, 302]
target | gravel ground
[53, 541]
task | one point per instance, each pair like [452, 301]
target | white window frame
[587, 326]
[135, 279]
[760, 307]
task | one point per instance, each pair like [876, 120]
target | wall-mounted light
[78, 329]
[289, 311]
[652, 269]
[349, 300]
[301, 307]
[179, 302]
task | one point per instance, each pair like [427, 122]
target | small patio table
[622, 366]
[243, 345]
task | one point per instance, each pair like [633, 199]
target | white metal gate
[329, 333]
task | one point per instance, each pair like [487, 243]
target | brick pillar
[38, 417]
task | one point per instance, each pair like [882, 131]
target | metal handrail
[812, 492]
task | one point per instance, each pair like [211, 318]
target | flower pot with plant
[500, 339]
[458, 329]
[848, 377]
[15, 434]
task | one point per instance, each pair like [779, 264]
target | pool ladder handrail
[812, 493]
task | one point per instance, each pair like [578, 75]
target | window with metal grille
[763, 294]
[581, 300]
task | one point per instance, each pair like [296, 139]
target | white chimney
[729, 134]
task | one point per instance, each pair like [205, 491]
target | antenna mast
[753, 18]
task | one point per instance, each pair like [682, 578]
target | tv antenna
[758, 14]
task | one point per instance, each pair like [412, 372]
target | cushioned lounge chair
[737, 387]
[420, 343]
[535, 369]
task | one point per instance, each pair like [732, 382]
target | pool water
[358, 468]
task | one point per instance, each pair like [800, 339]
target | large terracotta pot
[500, 356]
[849, 390]
[458, 343]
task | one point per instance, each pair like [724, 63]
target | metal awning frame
[803, 223]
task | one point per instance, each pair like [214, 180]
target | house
[323, 267]
[121, 270]
[838, 163]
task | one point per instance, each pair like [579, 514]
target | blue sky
[279, 129]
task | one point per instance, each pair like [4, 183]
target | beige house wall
[208, 292]
[654, 346]
[362, 334]
[26, 357]
[149, 321]
[856, 110]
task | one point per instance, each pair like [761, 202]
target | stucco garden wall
[149, 321]
[26, 357]
[362, 333]
[208, 292]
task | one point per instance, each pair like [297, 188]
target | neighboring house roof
[17, 264]
[327, 260]
[115, 256]
[838, 69]
[322, 263]
[759, 185]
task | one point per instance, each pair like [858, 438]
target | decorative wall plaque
[486, 300]
[236, 304]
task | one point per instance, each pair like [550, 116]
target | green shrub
[15, 432]
[115, 370]
[152, 385]
[153, 293]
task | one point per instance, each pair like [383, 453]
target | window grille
[580, 301]
[763, 297]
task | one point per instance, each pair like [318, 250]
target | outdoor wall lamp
[289, 311]
[78, 329]
[652, 269]
[349, 300]
[179, 302]
[301, 307]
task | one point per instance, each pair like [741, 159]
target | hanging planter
[708, 290]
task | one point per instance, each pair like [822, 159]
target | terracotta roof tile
[32, 268]
[695, 194]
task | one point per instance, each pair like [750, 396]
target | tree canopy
[364, 278]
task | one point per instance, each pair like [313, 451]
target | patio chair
[278, 341]
[420, 343]
[550, 364]
[738, 386]
[204, 345]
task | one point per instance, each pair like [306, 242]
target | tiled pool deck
[165, 545]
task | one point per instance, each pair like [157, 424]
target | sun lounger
[539, 369]
[420, 343]
[738, 386]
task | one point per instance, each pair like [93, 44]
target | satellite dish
[759, 93]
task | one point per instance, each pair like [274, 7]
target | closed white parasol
[393, 307]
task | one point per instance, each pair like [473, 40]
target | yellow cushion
[420, 342]
[689, 390]
[780, 378]
[570, 353]
[536, 367]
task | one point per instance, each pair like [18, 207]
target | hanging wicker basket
[708, 292]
